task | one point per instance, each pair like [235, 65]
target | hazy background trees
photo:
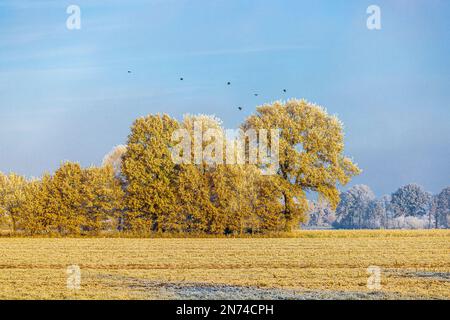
[441, 209]
[351, 213]
[114, 159]
[321, 214]
[409, 207]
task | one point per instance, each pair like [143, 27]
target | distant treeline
[410, 207]
[139, 189]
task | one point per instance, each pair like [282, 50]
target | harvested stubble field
[308, 265]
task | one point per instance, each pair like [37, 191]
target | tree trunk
[286, 212]
[13, 220]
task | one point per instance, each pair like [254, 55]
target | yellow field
[312, 264]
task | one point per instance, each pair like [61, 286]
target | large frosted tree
[375, 215]
[311, 154]
[442, 209]
[353, 206]
[410, 200]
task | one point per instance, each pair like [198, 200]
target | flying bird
[181, 79]
[284, 90]
[256, 94]
[240, 108]
[129, 71]
[228, 83]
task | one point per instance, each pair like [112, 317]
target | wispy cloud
[30, 4]
[248, 50]
[65, 52]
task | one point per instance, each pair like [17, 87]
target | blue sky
[66, 94]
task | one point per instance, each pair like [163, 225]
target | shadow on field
[148, 289]
[429, 275]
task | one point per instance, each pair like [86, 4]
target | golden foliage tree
[310, 153]
[195, 193]
[194, 201]
[72, 201]
[102, 204]
[150, 174]
[36, 216]
[11, 197]
[225, 198]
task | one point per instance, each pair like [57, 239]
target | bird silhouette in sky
[129, 71]
[240, 108]
[228, 84]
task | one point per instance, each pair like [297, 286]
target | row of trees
[140, 189]
[72, 200]
[410, 207]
